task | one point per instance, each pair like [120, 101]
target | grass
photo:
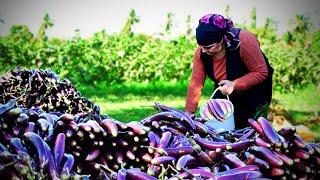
[134, 101]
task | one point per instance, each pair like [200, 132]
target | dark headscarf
[212, 28]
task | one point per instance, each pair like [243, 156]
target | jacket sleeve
[196, 83]
[252, 57]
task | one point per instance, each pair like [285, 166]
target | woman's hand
[227, 87]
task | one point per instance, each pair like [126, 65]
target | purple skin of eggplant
[196, 173]
[247, 135]
[59, 148]
[298, 141]
[267, 155]
[67, 167]
[52, 166]
[236, 146]
[233, 161]
[239, 175]
[262, 164]
[17, 144]
[184, 160]
[269, 131]
[153, 139]
[138, 128]
[256, 126]
[66, 118]
[179, 151]
[217, 109]
[210, 145]
[111, 126]
[38, 143]
[240, 169]
[165, 139]
[138, 175]
[288, 161]
[163, 160]
[260, 142]
[122, 173]
[201, 128]
[204, 158]
[178, 113]
[6, 107]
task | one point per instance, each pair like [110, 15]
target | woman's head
[211, 30]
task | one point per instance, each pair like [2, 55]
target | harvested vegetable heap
[48, 130]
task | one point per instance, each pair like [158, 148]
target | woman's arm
[196, 83]
[252, 57]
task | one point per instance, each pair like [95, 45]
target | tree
[253, 18]
[168, 24]
[131, 20]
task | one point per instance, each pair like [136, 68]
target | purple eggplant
[162, 160]
[111, 126]
[266, 154]
[165, 139]
[233, 161]
[59, 147]
[138, 128]
[256, 126]
[6, 107]
[287, 160]
[133, 174]
[184, 160]
[260, 142]
[17, 145]
[196, 172]
[39, 145]
[179, 151]
[269, 131]
[178, 113]
[238, 175]
[67, 166]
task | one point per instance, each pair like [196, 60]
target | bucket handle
[214, 92]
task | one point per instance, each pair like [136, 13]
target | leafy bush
[126, 56]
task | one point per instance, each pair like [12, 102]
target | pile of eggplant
[37, 143]
[43, 89]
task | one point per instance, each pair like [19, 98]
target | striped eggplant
[256, 126]
[269, 131]
[260, 142]
[287, 160]
[266, 154]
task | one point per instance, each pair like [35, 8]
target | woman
[232, 58]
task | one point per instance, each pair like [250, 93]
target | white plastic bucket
[227, 124]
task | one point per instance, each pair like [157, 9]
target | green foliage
[106, 59]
